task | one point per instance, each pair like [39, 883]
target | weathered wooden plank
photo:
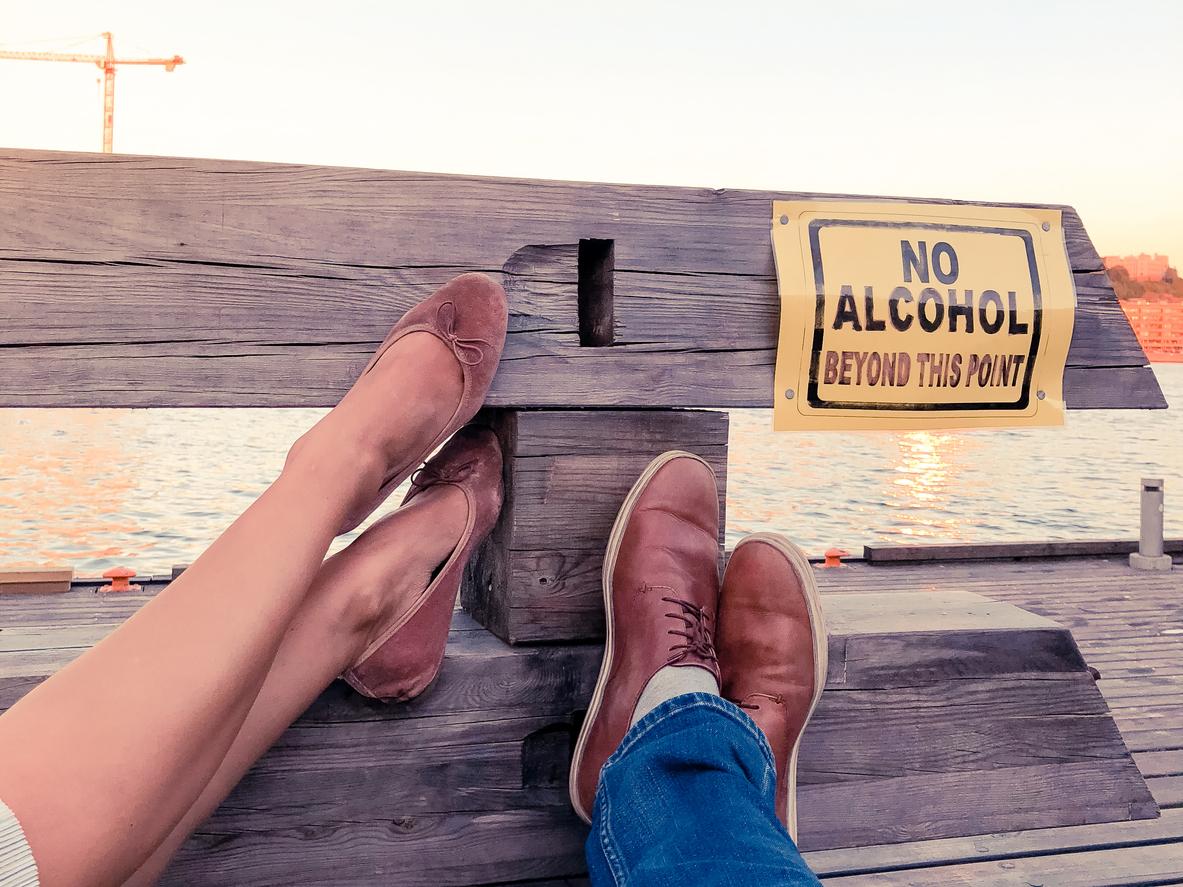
[950, 726]
[537, 578]
[21, 639]
[292, 274]
[1143, 685]
[46, 581]
[1169, 666]
[900, 857]
[539, 433]
[579, 496]
[1140, 865]
[246, 375]
[480, 674]
[948, 610]
[1112, 388]
[829, 757]
[1160, 763]
[1153, 716]
[991, 550]
[418, 851]
[886, 660]
[485, 775]
[1026, 797]
[930, 729]
[1142, 739]
[1167, 790]
[478, 760]
[246, 209]
[1015, 577]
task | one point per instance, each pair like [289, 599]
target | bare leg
[102, 760]
[357, 592]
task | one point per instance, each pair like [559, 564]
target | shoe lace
[696, 632]
[777, 699]
[467, 351]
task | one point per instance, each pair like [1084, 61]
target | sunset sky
[1065, 102]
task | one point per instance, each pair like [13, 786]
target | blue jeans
[689, 798]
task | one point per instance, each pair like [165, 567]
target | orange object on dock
[834, 557]
[119, 577]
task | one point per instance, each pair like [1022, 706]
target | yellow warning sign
[912, 316]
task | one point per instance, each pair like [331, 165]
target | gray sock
[671, 681]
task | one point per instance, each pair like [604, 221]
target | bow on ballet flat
[467, 351]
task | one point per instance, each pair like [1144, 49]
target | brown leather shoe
[406, 657]
[772, 649]
[661, 584]
[469, 314]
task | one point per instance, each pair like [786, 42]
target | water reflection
[151, 488]
[920, 497]
[146, 488]
[64, 490]
[849, 489]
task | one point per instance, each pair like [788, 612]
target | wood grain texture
[142, 281]
[537, 578]
[1122, 621]
[1010, 798]
[897, 859]
[993, 550]
[959, 689]
[1131, 866]
[464, 785]
[419, 851]
[945, 714]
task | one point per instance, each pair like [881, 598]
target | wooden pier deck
[1129, 625]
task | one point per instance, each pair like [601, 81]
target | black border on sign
[820, 322]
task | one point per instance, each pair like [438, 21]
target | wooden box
[537, 578]
[48, 581]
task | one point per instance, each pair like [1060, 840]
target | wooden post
[537, 578]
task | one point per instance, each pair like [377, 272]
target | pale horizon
[1070, 103]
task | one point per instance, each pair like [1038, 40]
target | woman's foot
[388, 567]
[429, 377]
[402, 403]
[405, 656]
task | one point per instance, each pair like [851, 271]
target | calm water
[152, 488]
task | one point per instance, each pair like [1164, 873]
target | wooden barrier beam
[146, 281]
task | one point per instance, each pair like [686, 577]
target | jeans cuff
[664, 714]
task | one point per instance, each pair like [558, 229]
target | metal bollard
[1149, 555]
[119, 577]
[834, 557]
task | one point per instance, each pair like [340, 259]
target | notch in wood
[597, 263]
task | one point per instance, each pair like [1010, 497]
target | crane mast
[107, 64]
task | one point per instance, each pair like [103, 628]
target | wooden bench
[136, 281]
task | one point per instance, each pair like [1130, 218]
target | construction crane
[107, 63]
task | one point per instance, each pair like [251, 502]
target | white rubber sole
[817, 621]
[610, 554]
